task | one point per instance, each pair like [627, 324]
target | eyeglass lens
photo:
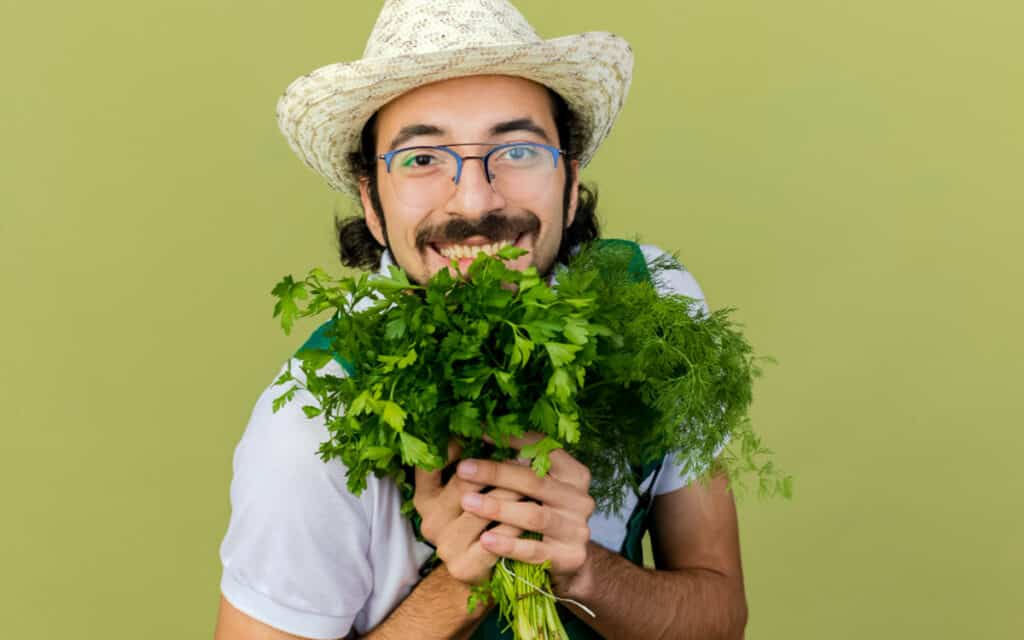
[427, 175]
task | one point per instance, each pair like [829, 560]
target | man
[460, 130]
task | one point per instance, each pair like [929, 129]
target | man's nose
[474, 195]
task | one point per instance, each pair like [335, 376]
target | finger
[549, 490]
[429, 482]
[462, 533]
[428, 485]
[466, 526]
[564, 558]
[563, 465]
[448, 502]
[553, 524]
[447, 505]
[454, 451]
[474, 563]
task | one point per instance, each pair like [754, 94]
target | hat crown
[407, 27]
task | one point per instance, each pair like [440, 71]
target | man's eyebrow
[520, 124]
[411, 131]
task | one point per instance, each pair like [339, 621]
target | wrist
[582, 584]
[462, 592]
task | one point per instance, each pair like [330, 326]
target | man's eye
[520, 153]
[419, 160]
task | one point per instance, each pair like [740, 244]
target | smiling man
[462, 131]
[434, 204]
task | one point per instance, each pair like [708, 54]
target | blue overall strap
[321, 341]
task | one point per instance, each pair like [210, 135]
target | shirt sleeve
[678, 281]
[296, 552]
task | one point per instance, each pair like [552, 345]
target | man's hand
[561, 516]
[454, 532]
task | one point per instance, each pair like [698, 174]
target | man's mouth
[470, 249]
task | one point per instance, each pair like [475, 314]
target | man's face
[476, 109]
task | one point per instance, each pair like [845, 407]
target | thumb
[428, 483]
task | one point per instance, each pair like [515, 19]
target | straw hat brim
[322, 113]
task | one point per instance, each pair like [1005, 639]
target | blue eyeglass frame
[460, 159]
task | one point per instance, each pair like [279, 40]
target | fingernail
[472, 500]
[488, 538]
[467, 468]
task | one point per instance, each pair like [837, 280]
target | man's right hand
[454, 532]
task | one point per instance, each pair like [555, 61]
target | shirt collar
[385, 261]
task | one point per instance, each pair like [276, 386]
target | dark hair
[359, 249]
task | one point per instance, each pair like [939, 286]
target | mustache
[494, 226]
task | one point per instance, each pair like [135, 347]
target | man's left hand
[560, 514]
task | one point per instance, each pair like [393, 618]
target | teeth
[465, 251]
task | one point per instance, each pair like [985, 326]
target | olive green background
[847, 174]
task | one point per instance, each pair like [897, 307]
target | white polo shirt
[304, 555]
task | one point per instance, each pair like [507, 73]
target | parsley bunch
[602, 364]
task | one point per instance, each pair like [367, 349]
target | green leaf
[506, 383]
[377, 454]
[560, 385]
[314, 359]
[561, 353]
[579, 303]
[577, 330]
[393, 415]
[538, 453]
[283, 399]
[521, 351]
[503, 427]
[395, 328]
[787, 487]
[312, 411]
[362, 404]
[408, 359]
[396, 362]
[415, 452]
[287, 292]
[543, 416]
[529, 279]
[542, 330]
[511, 252]
[568, 427]
[398, 281]
[284, 378]
[465, 420]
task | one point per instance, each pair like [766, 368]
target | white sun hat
[416, 42]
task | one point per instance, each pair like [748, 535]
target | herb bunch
[602, 364]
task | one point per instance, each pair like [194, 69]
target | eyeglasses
[426, 175]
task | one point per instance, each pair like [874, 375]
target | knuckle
[578, 557]
[420, 502]
[536, 554]
[535, 485]
[537, 519]
[490, 507]
[459, 571]
[444, 551]
[589, 506]
[583, 534]
[585, 477]
[428, 529]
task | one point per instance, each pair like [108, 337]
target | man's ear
[574, 193]
[373, 221]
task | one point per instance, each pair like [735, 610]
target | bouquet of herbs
[601, 364]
